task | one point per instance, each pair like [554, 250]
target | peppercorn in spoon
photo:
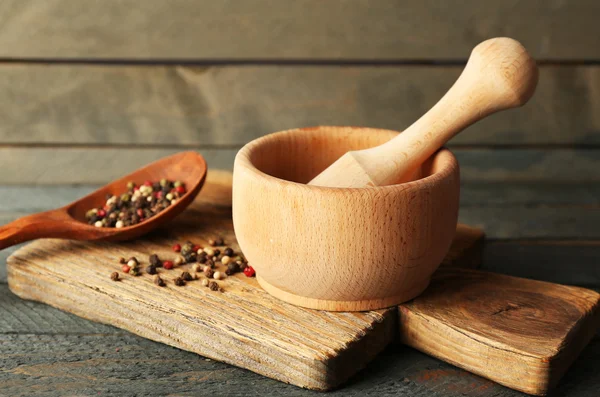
[499, 75]
[70, 222]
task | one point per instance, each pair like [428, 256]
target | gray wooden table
[44, 351]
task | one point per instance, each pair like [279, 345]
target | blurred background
[90, 90]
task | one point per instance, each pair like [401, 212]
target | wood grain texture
[231, 105]
[55, 365]
[521, 333]
[312, 349]
[380, 244]
[271, 29]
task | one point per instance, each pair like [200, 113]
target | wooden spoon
[499, 75]
[69, 222]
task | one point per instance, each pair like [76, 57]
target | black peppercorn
[219, 241]
[232, 268]
[151, 269]
[122, 261]
[213, 286]
[186, 276]
[190, 256]
[202, 258]
[155, 261]
[179, 281]
[209, 272]
[114, 276]
[228, 252]
[242, 266]
[217, 252]
[159, 281]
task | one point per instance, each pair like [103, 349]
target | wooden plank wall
[90, 89]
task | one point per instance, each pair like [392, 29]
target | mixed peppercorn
[205, 264]
[138, 203]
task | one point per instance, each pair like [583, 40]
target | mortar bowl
[340, 249]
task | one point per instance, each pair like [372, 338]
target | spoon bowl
[69, 221]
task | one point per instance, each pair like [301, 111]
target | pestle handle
[499, 75]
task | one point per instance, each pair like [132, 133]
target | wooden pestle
[499, 75]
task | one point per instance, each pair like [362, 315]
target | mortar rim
[243, 159]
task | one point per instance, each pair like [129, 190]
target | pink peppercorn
[168, 265]
[101, 213]
[249, 271]
[180, 189]
[125, 269]
[177, 248]
[196, 247]
[140, 212]
[148, 183]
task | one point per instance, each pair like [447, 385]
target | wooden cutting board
[521, 333]
[243, 325]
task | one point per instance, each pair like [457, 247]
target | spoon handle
[51, 224]
[499, 75]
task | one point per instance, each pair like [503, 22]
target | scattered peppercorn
[122, 261]
[217, 252]
[219, 276]
[196, 248]
[155, 260]
[213, 286]
[186, 248]
[177, 248]
[159, 281]
[168, 265]
[225, 259]
[134, 271]
[202, 258]
[137, 204]
[151, 269]
[186, 276]
[197, 267]
[209, 251]
[249, 271]
[114, 276]
[190, 257]
[179, 281]
[125, 268]
[228, 251]
[242, 265]
[178, 261]
[208, 272]
[232, 268]
[204, 282]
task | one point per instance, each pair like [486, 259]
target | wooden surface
[48, 352]
[521, 333]
[304, 29]
[379, 245]
[81, 105]
[225, 105]
[243, 325]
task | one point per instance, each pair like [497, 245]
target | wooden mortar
[340, 249]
